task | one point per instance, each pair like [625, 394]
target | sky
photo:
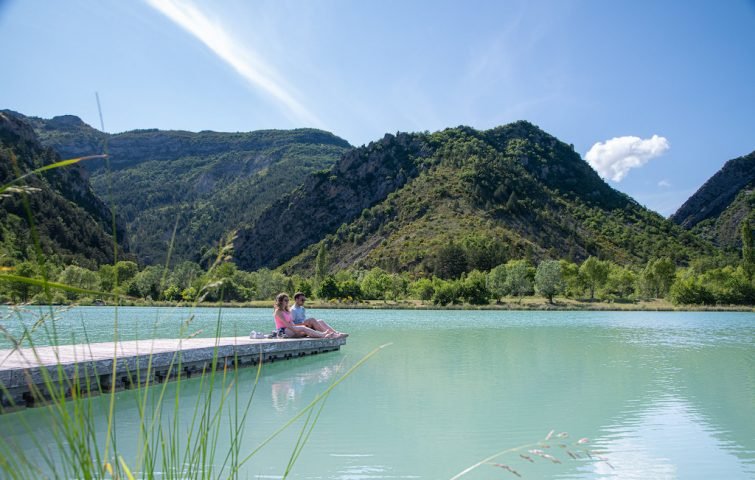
[655, 95]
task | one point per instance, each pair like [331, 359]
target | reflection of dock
[88, 368]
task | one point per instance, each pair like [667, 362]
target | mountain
[202, 184]
[716, 210]
[412, 201]
[73, 224]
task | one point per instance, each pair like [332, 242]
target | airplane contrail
[243, 60]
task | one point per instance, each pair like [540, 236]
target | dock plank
[21, 370]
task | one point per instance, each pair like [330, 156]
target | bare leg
[324, 327]
[318, 325]
[321, 326]
[302, 331]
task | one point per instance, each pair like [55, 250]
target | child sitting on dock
[286, 327]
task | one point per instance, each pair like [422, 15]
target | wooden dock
[88, 368]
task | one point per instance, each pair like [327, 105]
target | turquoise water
[658, 395]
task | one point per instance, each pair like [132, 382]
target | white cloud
[615, 157]
[246, 63]
[664, 184]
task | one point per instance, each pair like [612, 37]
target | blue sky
[658, 95]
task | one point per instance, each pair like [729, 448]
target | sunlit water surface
[658, 395]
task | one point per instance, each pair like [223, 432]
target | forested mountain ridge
[414, 201]
[717, 209]
[205, 184]
[73, 224]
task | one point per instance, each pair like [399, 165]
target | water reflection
[286, 390]
[667, 439]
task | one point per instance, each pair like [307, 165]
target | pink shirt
[278, 323]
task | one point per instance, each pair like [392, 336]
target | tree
[748, 252]
[125, 270]
[451, 261]
[185, 274]
[305, 287]
[321, 263]
[446, 292]
[621, 282]
[422, 289]
[483, 253]
[107, 277]
[146, 283]
[497, 282]
[665, 272]
[548, 279]
[729, 285]
[688, 289]
[398, 286]
[350, 289]
[76, 276]
[595, 274]
[189, 294]
[474, 288]
[24, 291]
[573, 283]
[657, 277]
[328, 288]
[511, 203]
[518, 279]
[118, 274]
[375, 284]
[268, 284]
[172, 293]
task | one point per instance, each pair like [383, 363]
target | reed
[168, 447]
[553, 442]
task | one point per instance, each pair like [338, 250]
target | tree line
[703, 282]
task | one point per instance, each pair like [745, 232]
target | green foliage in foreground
[168, 447]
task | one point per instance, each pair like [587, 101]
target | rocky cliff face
[718, 192]
[361, 178]
[718, 207]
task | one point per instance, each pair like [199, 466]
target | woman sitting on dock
[286, 327]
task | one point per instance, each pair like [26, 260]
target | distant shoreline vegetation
[515, 285]
[532, 304]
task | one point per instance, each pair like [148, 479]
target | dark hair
[298, 294]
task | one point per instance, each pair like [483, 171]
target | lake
[658, 394]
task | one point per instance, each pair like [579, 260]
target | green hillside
[412, 202]
[716, 211]
[205, 184]
[73, 224]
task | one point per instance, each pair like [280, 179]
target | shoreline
[530, 304]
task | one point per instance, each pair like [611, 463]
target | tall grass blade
[60, 164]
